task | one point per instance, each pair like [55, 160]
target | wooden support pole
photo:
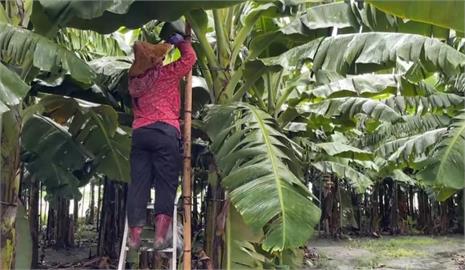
[186, 184]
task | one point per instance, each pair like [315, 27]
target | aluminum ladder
[172, 249]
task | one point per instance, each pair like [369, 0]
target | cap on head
[147, 55]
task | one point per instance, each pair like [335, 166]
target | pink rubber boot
[162, 226]
[134, 237]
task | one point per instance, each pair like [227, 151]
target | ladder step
[166, 250]
[131, 256]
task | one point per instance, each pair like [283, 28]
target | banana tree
[269, 82]
[291, 75]
[24, 51]
[244, 145]
[32, 54]
[400, 100]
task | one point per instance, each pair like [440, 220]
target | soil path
[400, 252]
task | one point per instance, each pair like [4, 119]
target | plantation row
[336, 117]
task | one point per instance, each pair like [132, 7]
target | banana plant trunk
[92, 203]
[374, 224]
[461, 208]
[335, 224]
[445, 215]
[424, 211]
[403, 210]
[212, 206]
[112, 219]
[34, 220]
[327, 215]
[9, 185]
[394, 216]
[76, 214]
[410, 202]
[63, 228]
[51, 224]
[99, 203]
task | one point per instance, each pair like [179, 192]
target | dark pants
[156, 160]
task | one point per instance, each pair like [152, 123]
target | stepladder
[146, 257]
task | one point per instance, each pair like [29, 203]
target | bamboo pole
[186, 184]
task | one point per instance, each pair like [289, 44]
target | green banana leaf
[409, 148]
[21, 47]
[445, 167]
[369, 52]
[239, 244]
[411, 126]
[90, 45]
[423, 104]
[52, 156]
[292, 259]
[255, 160]
[399, 175]
[12, 88]
[358, 180]
[447, 14]
[95, 128]
[108, 16]
[3, 16]
[68, 87]
[337, 149]
[349, 107]
[318, 21]
[365, 85]
[375, 86]
[373, 19]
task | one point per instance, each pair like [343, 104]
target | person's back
[156, 94]
[156, 156]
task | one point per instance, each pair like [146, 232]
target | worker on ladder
[156, 154]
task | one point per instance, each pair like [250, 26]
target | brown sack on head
[147, 55]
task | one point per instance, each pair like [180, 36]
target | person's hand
[175, 39]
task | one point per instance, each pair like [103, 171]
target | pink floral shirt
[155, 94]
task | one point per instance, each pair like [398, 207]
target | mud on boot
[163, 231]
[134, 237]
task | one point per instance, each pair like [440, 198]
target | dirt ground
[63, 258]
[400, 252]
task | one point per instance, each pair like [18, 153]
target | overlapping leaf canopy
[333, 68]
[12, 88]
[261, 169]
[108, 16]
[21, 47]
[71, 141]
[431, 12]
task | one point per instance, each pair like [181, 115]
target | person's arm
[183, 65]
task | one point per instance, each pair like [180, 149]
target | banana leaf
[94, 128]
[53, 156]
[447, 14]
[12, 88]
[21, 47]
[444, 169]
[107, 16]
[370, 52]
[255, 160]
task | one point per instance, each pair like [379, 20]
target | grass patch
[367, 262]
[407, 246]
[322, 262]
